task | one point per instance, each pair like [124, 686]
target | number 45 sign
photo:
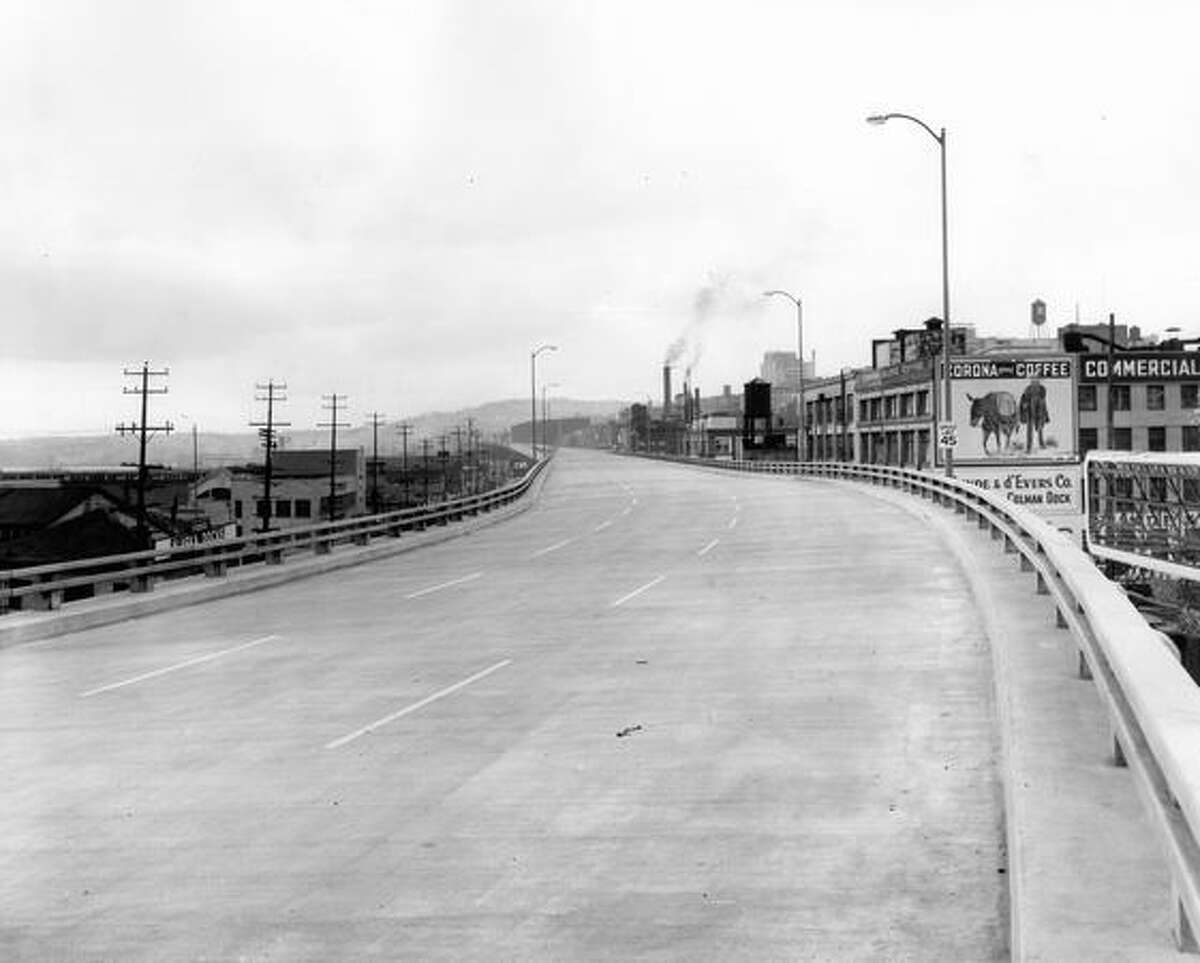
[947, 434]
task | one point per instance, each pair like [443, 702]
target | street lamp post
[800, 406]
[940, 137]
[533, 393]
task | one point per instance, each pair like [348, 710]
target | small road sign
[947, 434]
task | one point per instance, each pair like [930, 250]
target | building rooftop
[37, 506]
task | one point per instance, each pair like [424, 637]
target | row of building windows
[829, 410]
[1156, 438]
[1156, 397]
[284, 508]
[909, 404]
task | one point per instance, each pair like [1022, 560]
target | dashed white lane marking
[552, 548]
[733, 522]
[338, 743]
[627, 510]
[602, 526]
[708, 548]
[178, 665]
[637, 591]
[445, 585]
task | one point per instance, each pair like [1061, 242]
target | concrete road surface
[665, 714]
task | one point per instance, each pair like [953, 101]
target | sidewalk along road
[665, 713]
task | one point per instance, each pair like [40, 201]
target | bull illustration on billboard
[999, 415]
[996, 414]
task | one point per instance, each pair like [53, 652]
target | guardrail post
[1042, 589]
[1060, 620]
[1118, 756]
[1181, 926]
[1026, 565]
[1085, 668]
[45, 601]
[142, 583]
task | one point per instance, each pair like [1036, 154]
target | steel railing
[1152, 704]
[44, 587]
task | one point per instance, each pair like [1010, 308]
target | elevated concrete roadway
[665, 714]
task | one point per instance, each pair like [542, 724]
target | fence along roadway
[778, 745]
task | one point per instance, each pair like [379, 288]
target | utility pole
[143, 431]
[458, 436]
[375, 417]
[471, 456]
[266, 431]
[1108, 410]
[405, 430]
[425, 471]
[330, 403]
[443, 457]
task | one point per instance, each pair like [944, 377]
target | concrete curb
[1087, 882]
[20, 628]
[1002, 683]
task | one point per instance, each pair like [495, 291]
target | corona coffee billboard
[1013, 410]
[1015, 420]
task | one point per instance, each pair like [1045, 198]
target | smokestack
[696, 406]
[666, 391]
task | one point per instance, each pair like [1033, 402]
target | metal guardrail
[45, 587]
[1152, 704]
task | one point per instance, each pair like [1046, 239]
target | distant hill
[493, 419]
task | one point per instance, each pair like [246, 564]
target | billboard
[1045, 489]
[1055, 492]
[1013, 410]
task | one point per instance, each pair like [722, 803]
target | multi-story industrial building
[1154, 391]
[888, 413]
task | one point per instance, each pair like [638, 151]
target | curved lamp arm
[884, 118]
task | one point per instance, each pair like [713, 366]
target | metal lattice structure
[1143, 510]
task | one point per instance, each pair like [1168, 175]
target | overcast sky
[398, 201]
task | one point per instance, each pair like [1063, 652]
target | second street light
[800, 406]
[533, 394]
[940, 138]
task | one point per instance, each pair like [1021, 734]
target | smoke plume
[725, 296]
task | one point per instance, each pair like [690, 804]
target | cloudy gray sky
[398, 200]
